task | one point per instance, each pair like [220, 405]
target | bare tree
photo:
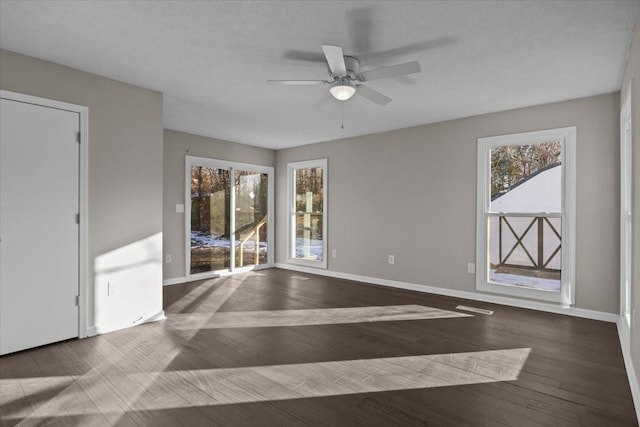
[512, 163]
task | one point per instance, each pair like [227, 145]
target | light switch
[179, 208]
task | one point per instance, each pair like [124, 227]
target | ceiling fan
[346, 80]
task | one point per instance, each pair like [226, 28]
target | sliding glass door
[227, 222]
[210, 231]
[251, 218]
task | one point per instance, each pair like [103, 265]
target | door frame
[83, 193]
[626, 196]
[232, 166]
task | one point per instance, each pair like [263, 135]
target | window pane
[210, 213]
[309, 236]
[526, 178]
[525, 251]
[251, 205]
[309, 194]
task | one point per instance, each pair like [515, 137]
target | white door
[39, 233]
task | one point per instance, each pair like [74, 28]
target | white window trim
[191, 161]
[566, 296]
[626, 209]
[291, 225]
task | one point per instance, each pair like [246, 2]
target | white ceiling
[211, 59]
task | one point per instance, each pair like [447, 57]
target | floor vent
[475, 310]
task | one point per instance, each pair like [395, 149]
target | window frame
[191, 161]
[626, 210]
[567, 136]
[291, 207]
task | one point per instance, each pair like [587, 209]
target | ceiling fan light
[342, 91]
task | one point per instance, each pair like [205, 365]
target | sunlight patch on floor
[205, 387]
[306, 317]
[307, 380]
[225, 288]
[63, 395]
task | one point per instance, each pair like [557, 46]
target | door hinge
[77, 218]
[78, 300]
[78, 138]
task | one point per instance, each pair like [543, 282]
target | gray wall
[412, 193]
[125, 175]
[176, 146]
[632, 77]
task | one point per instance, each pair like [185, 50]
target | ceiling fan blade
[335, 59]
[302, 55]
[392, 71]
[372, 95]
[410, 49]
[297, 82]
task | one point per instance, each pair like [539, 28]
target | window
[525, 215]
[307, 196]
[227, 217]
[626, 207]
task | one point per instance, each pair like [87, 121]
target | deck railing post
[540, 242]
[256, 248]
[500, 260]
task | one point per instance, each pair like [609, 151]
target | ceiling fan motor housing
[352, 66]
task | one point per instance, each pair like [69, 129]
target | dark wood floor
[278, 348]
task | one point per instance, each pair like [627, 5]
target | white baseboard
[156, 317]
[212, 275]
[174, 281]
[513, 302]
[92, 331]
[97, 330]
[624, 335]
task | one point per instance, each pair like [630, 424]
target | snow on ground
[200, 239]
[315, 248]
[525, 281]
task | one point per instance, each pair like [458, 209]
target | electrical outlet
[179, 208]
[471, 268]
[167, 258]
[110, 289]
[392, 259]
[334, 253]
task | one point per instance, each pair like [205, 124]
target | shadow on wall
[128, 285]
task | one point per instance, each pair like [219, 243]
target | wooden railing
[256, 247]
[539, 262]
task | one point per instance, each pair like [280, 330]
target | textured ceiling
[211, 59]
